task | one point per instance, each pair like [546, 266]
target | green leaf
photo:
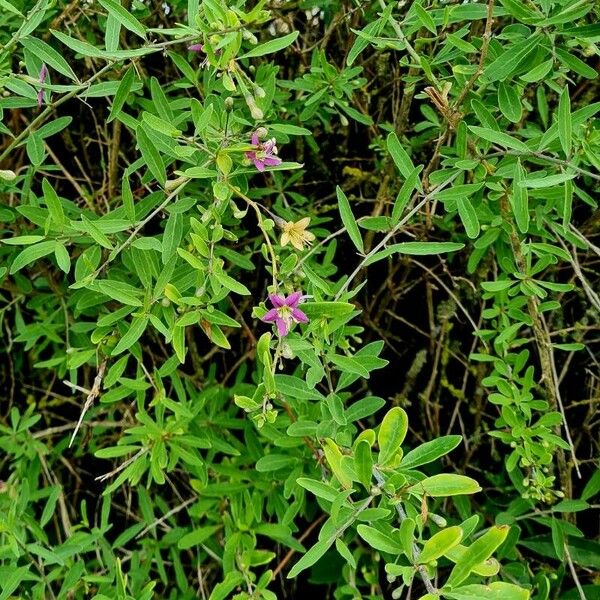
[440, 543]
[196, 537]
[10, 8]
[509, 60]
[48, 55]
[558, 538]
[564, 121]
[538, 72]
[79, 46]
[31, 254]
[124, 17]
[497, 137]
[363, 463]
[378, 540]
[122, 94]
[408, 187]
[200, 173]
[547, 182]
[35, 149]
[519, 199]
[273, 462]
[160, 125]
[498, 590]
[128, 204]
[509, 102]
[222, 590]
[133, 334]
[12, 580]
[430, 451]
[573, 63]
[272, 45]
[329, 310]
[479, 551]
[391, 434]
[425, 18]
[446, 484]
[119, 291]
[349, 220]
[116, 451]
[468, 216]
[232, 284]
[334, 458]
[318, 488]
[349, 364]
[289, 129]
[311, 557]
[62, 257]
[567, 203]
[48, 512]
[23, 240]
[151, 156]
[400, 156]
[415, 249]
[53, 203]
[95, 233]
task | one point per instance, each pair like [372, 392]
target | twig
[114, 253]
[122, 466]
[162, 519]
[431, 589]
[582, 595]
[93, 394]
[413, 53]
[487, 34]
[393, 232]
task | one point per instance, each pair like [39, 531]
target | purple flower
[196, 48]
[265, 153]
[43, 75]
[285, 312]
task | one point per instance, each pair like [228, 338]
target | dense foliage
[299, 299]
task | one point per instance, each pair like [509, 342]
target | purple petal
[293, 299]
[255, 140]
[282, 327]
[271, 315]
[277, 300]
[259, 164]
[271, 161]
[43, 73]
[299, 316]
[40, 98]
[196, 48]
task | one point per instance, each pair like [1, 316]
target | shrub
[284, 285]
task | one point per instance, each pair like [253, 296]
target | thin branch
[431, 589]
[93, 394]
[487, 34]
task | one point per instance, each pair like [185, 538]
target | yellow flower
[296, 234]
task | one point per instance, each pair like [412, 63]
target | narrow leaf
[349, 220]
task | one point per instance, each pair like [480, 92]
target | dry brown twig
[91, 396]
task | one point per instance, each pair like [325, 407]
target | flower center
[285, 312]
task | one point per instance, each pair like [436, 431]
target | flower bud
[172, 184]
[254, 110]
[7, 175]
[260, 93]
[228, 103]
[262, 132]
